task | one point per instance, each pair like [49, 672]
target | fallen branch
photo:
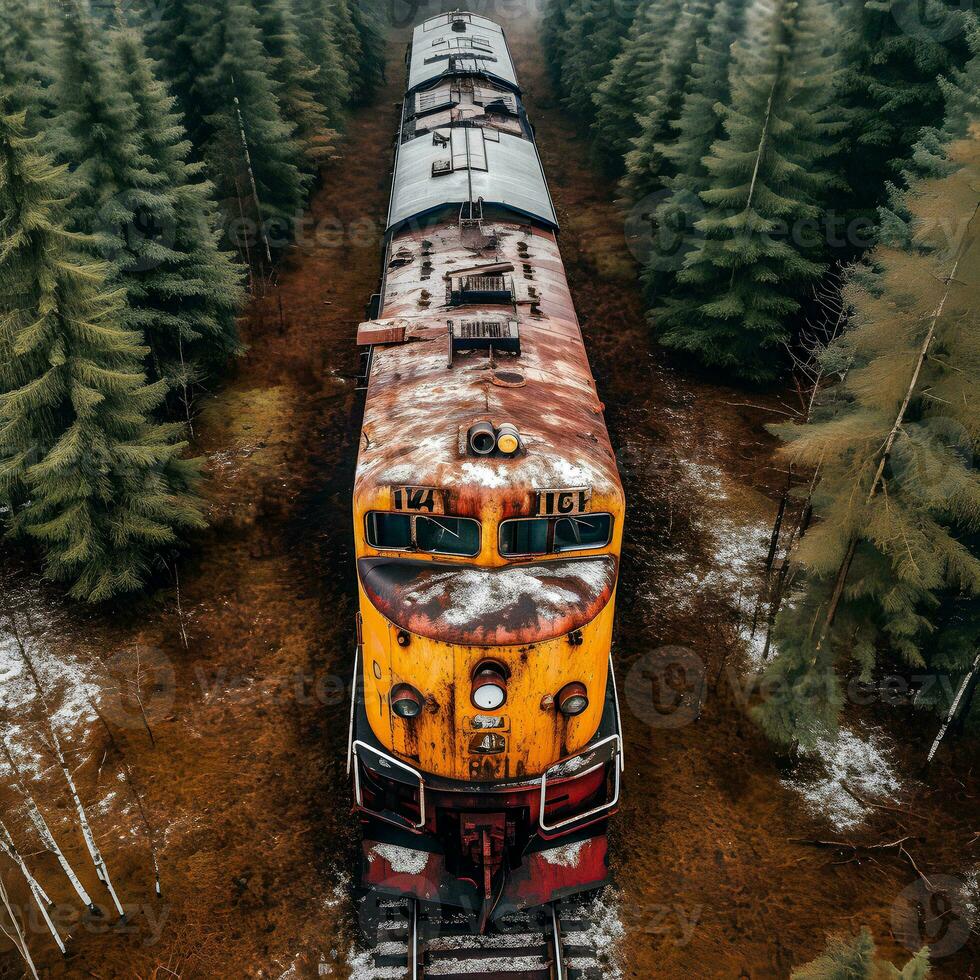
[897, 846]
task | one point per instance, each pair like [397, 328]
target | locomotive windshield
[549, 535]
[436, 535]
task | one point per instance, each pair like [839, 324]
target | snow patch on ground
[68, 687]
[859, 762]
[736, 554]
[605, 934]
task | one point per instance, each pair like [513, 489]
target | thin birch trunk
[137, 796]
[44, 831]
[954, 707]
[40, 896]
[251, 175]
[18, 937]
[100, 866]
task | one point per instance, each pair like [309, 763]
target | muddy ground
[243, 779]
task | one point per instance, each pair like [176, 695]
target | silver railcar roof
[480, 47]
[446, 166]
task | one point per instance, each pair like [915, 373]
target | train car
[485, 747]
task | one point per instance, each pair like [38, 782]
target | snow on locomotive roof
[475, 44]
[432, 173]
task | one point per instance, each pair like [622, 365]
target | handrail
[390, 760]
[603, 808]
[353, 708]
[619, 717]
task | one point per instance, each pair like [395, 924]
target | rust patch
[477, 606]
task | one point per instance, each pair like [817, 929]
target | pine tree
[96, 132]
[855, 959]
[738, 288]
[896, 51]
[151, 217]
[239, 95]
[319, 37]
[961, 97]
[86, 473]
[368, 74]
[698, 126]
[553, 26]
[592, 36]
[898, 497]
[183, 291]
[618, 97]
[25, 35]
[297, 79]
[170, 39]
[213, 57]
[660, 107]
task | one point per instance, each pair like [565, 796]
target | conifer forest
[229, 426]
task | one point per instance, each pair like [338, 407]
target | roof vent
[501, 335]
[480, 289]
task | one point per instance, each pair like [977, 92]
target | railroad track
[549, 943]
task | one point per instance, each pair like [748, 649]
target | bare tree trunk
[886, 449]
[137, 796]
[44, 831]
[38, 893]
[251, 176]
[954, 708]
[183, 381]
[20, 944]
[100, 866]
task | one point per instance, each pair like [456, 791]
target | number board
[418, 500]
[559, 503]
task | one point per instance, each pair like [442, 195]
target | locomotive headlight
[508, 439]
[573, 699]
[489, 689]
[406, 702]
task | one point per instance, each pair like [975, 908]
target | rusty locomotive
[485, 747]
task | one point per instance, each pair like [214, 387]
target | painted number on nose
[558, 503]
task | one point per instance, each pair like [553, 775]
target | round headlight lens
[406, 702]
[573, 699]
[489, 690]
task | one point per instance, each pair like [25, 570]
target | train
[485, 748]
